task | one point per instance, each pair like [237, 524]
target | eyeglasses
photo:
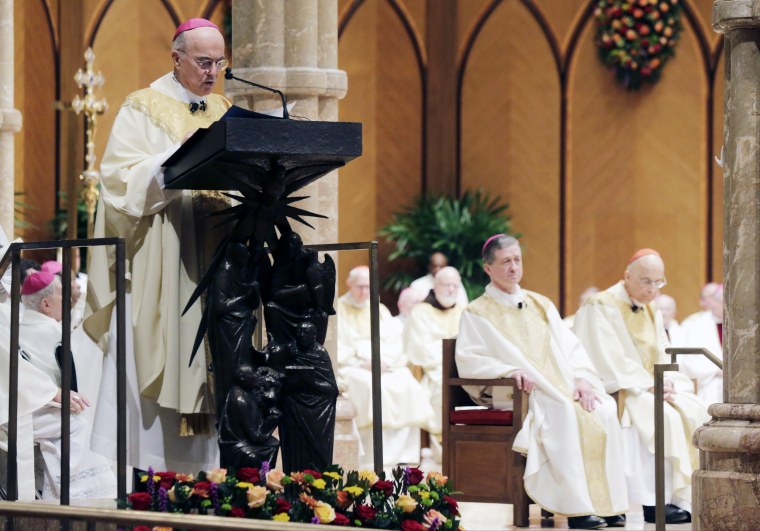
[649, 283]
[205, 63]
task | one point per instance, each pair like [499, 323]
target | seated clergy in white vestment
[424, 284]
[571, 435]
[404, 402]
[624, 336]
[668, 308]
[40, 342]
[705, 330]
[429, 323]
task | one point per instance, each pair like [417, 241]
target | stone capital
[729, 15]
[294, 81]
[10, 120]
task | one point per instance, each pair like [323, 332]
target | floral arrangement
[409, 502]
[637, 37]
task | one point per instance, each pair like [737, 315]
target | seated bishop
[625, 337]
[571, 436]
[405, 406]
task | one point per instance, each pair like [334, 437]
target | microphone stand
[228, 75]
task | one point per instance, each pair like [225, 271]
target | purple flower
[214, 495]
[314, 520]
[163, 500]
[264, 468]
[151, 485]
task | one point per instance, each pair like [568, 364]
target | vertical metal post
[377, 404]
[66, 380]
[659, 441]
[12, 477]
[121, 375]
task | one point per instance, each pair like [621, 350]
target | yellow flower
[369, 475]
[256, 495]
[185, 477]
[217, 475]
[354, 491]
[244, 484]
[424, 494]
[282, 517]
[437, 479]
[144, 479]
[324, 512]
[319, 484]
[406, 503]
[331, 474]
[274, 480]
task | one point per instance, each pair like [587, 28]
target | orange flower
[437, 478]
[308, 500]
[342, 500]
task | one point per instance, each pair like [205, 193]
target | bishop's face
[201, 45]
[506, 269]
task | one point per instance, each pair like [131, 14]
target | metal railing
[13, 258]
[659, 422]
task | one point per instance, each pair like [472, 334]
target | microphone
[228, 75]
[521, 305]
[635, 308]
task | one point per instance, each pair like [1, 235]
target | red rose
[411, 525]
[249, 475]
[237, 512]
[167, 479]
[202, 489]
[340, 519]
[365, 513]
[453, 505]
[415, 476]
[313, 473]
[385, 486]
[140, 501]
[141, 528]
[283, 506]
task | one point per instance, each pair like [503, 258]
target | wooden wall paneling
[383, 62]
[440, 149]
[510, 125]
[636, 167]
[469, 14]
[563, 16]
[186, 9]
[357, 55]
[35, 91]
[148, 40]
[71, 129]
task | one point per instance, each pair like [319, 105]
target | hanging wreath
[637, 37]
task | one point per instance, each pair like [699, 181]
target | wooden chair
[478, 458]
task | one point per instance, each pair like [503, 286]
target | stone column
[10, 118]
[726, 488]
[293, 46]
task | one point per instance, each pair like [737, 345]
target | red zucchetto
[642, 253]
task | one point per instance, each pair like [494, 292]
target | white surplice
[424, 332]
[165, 254]
[91, 474]
[701, 330]
[574, 458]
[624, 345]
[404, 403]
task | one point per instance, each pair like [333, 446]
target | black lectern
[290, 384]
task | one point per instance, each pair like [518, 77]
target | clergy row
[40, 394]
[573, 439]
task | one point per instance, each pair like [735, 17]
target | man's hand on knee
[585, 394]
[78, 402]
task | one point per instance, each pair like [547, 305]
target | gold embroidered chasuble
[528, 329]
[169, 244]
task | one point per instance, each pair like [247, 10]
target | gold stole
[528, 329]
[174, 118]
[640, 325]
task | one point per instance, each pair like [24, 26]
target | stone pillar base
[726, 488]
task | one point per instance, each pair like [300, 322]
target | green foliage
[59, 225]
[457, 227]
[21, 211]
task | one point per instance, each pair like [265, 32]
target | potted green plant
[455, 226]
